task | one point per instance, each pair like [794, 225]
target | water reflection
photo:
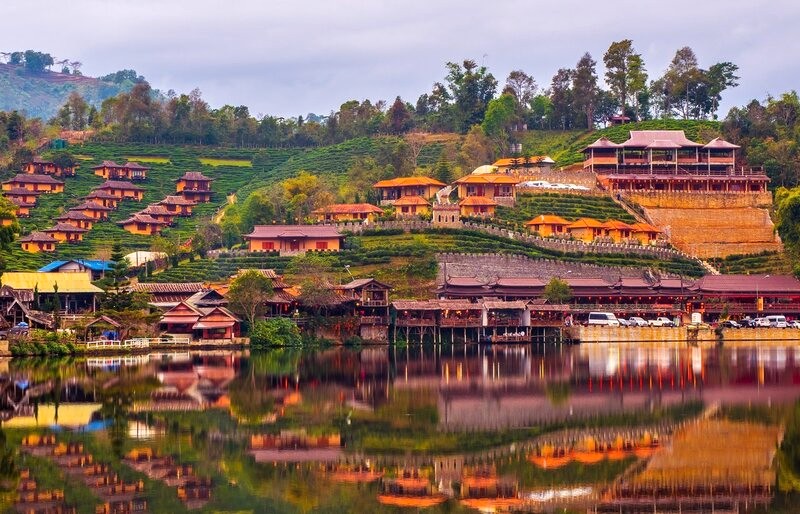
[450, 428]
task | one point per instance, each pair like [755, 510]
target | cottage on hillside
[411, 206]
[36, 242]
[494, 186]
[39, 166]
[77, 218]
[178, 205]
[341, 212]
[294, 239]
[66, 232]
[547, 225]
[96, 268]
[93, 209]
[104, 198]
[142, 224]
[122, 190]
[43, 183]
[110, 170]
[194, 186]
[396, 188]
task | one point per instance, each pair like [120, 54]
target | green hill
[565, 147]
[42, 94]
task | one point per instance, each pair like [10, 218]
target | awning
[208, 325]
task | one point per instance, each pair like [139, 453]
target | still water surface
[459, 428]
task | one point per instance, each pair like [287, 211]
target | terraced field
[756, 264]
[570, 207]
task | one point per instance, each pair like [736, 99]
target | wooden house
[66, 232]
[95, 210]
[43, 183]
[104, 198]
[142, 224]
[165, 295]
[585, 229]
[75, 291]
[178, 205]
[341, 212]
[159, 212]
[495, 186]
[477, 206]
[39, 166]
[369, 301]
[194, 186]
[110, 170]
[78, 219]
[548, 225]
[22, 209]
[36, 242]
[122, 189]
[293, 239]
[409, 206]
[23, 195]
[617, 230]
[666, 160]
[396, 188]
[645, 233]
[96, 268]
[204, 323]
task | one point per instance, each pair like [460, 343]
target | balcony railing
[504, 322]
[415, 322]
[460, 322]
[374, 320]
[375, 303]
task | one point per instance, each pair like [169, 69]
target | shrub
[275, 332]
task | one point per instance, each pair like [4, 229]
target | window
[141, 226]
[322, 245]
[267, 245]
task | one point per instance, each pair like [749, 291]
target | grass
[756, 264]
[241, 163]
[569, 207]
[147, 158]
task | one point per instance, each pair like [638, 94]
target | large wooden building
[39, 166]
[494, 186]
[110, 170]
[294, 239]
[396, 188]
[666, 160]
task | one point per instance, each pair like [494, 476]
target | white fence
[140, 342]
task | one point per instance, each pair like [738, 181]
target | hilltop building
[340, 212]
[122, 190]
[94, 210]
[396, 188]
[178, 205]
[502, 189]
[142, 224]
[42, 183]
[66, 232]
[665, 160]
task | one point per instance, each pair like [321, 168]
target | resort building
[25, 196]
[370, 304]
[617, 231]
[396, 188]
[122, 190]
[547, 225]
[479, 206]
[43, 183]
[66, 232]
[409, 206]
[194, 186]
[294, 239]
[93, 209]
[142, 224]
[645, 233]
[178, 205]
[104, 198]
[165, 295]
[36, 242]
[585, 229]
[110, 170]
[201, 323]
[39, 166]
[78, 219]
[665, 160]
[74, 291]
[159, 212]
[22, 209]
[96, 268]
[340, 212]
[495, 186]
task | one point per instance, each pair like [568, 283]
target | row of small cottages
[590, 229]
[72, 225]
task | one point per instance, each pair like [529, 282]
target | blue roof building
[97, 268]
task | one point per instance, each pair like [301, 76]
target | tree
[398, 118]
[584, 88]
[117, 297]
[500, 113]
[522, 86]
[625, 72]
[313, 273]
[720, 76]
[476, 149]
[557, 291]
[275, 332]
[249, 293]
[471, 87]
[561, 98]
[37, 62]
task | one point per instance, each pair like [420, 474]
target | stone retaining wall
[700, 199]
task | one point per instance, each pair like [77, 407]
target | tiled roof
[585, 223]
[106, 164]
[156, 209]
[603, 142]
[548, 219]
[75, 215]
[142, 218]
[19, 191]
[488, 178]
[720, 144]
[644, 227]
[24, 178]
[176, 200]
[411, 200]
[101, 194]
[119, 184]
[196, 176]
[409, 181]
[645, 138]
[134, 166]
[38, 237]
[616, 225]
[65, 227]
[167, 287]
[476, 200]
[91, 206]
[349, 208]
[764, 284]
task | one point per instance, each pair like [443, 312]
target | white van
[603, 318]
[777, 321]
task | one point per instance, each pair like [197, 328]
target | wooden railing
[461, 322]
[374, 320]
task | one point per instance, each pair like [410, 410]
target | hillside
[42, 94]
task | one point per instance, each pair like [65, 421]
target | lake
[448, 428]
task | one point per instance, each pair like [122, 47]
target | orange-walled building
[347, 212]
[39, 166]
[93, 209]
[110, 170]
[408, 206]
[396, 188]
[547, 225]
[194, 186]
[65, 232]
[78, 219]
[293, 239]
[178, 205]
[36, 242]
[122, 190]
[480, 206]
[142, 224]
[43, 183]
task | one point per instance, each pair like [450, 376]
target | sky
[288, 58]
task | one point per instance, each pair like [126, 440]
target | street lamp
[758, 296]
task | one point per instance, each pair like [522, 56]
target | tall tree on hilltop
[721, 76]
[584, 87]
[625, 72]
[471, 87]
[561, 98]
[523, 87]
[398, 118]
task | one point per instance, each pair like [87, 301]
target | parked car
[777, 321]
[729, 323]
[661, 321]
[636, 321]
[747, 322]
[536, 183]
[761, 322]
[603, 318]
[624, 322]
[576, 187]
[795, 323]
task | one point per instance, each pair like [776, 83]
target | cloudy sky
[293, 57]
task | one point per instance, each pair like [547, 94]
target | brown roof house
[294, 239]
